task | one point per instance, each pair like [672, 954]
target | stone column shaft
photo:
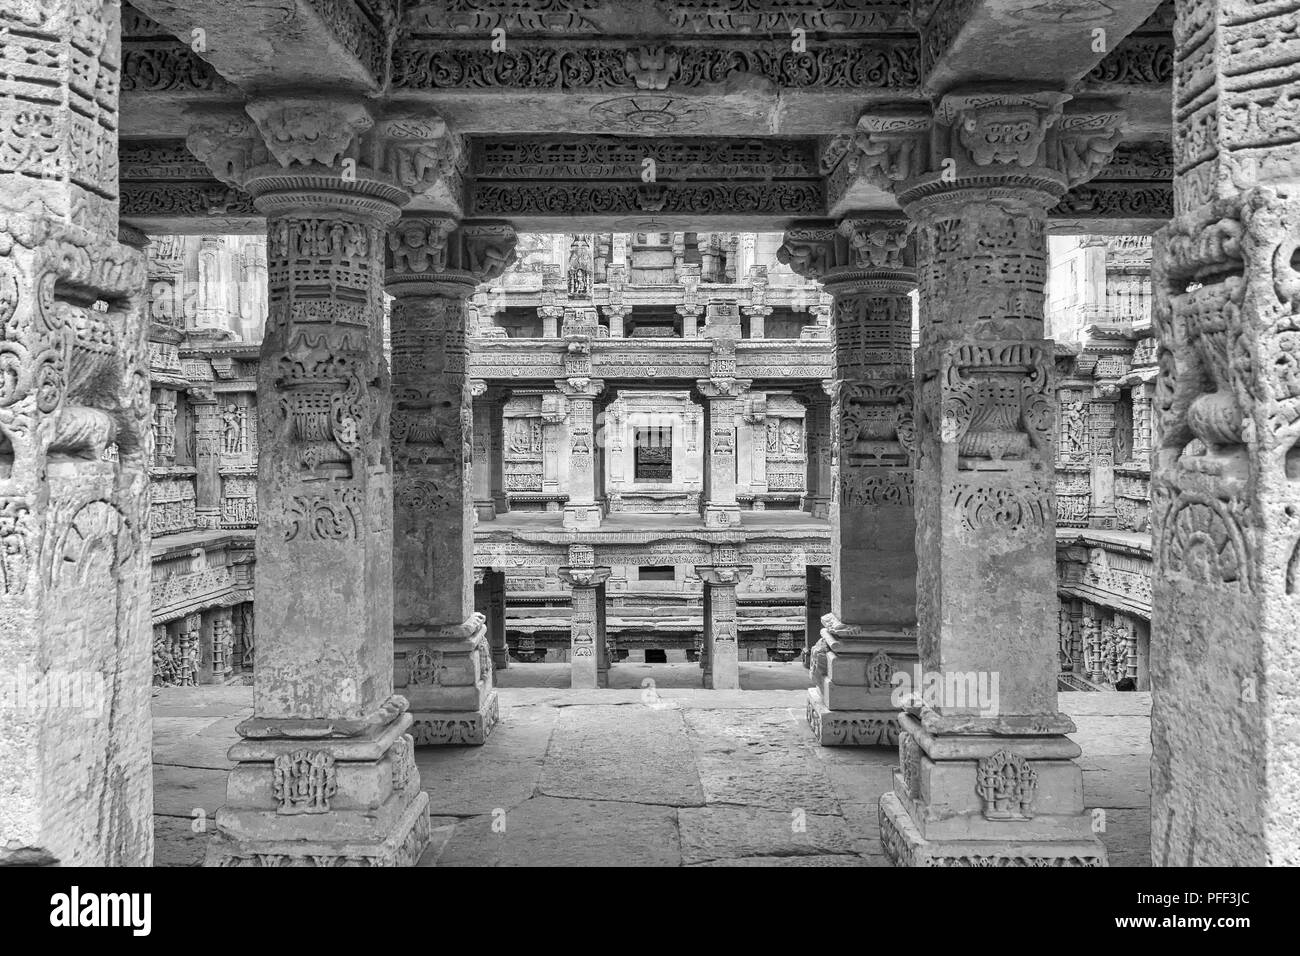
[582, 511]
[585, 626]
[721, 632]
[720, 415]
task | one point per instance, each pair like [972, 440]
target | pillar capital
[291, 150]
[436, 254]
[987, 143]
[868, 251]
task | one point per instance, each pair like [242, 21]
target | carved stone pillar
[1225, 777]
[866, 264]
[986, 771]
[585, 628]
[582, 512]
[720, 415]
[74, 563]
[443, 660]
[325, 771]
[817, 500]
[721, 632]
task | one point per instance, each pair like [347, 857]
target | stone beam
[165, 190]
[162, 78]
[725, 85]
[1046, 43]
[1132, 195]
[621, 18]
[1140, 69]
[548, 183]
[339, 45]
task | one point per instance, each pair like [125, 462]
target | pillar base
[446, 727]
[819, 506]
[904, 846]
[581, 517]
[850, 728]
[402, 847]
[332, 793]
[719, 516]
[485, 509]
[855, 670]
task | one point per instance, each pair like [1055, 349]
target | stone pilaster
[986, 771]
[490, 601]
[582, 512]
[325, 773]
[490, 497]
[207, 456]
[587, 594]
[443, 663]
[817, 498]
[616, 315]
[1225, 508]
[721, 632]
[690, 320]
[74, 621]
[550, 315]
[866, 264]
[721, 409]
[1101, 424]
[757, 315]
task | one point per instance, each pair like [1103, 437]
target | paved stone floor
[677, 777]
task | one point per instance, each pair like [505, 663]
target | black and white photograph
[620, 434]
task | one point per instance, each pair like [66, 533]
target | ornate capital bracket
[302, 130]
[723, 576]
[890, 147]
[1006, 127]
[583, 577]
[432, 249]
[722, 387]
[580, 387]
[331, 144]
[860, 248]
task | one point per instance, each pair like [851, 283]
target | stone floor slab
[547, 831]
[634, 754]
[734, 833]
